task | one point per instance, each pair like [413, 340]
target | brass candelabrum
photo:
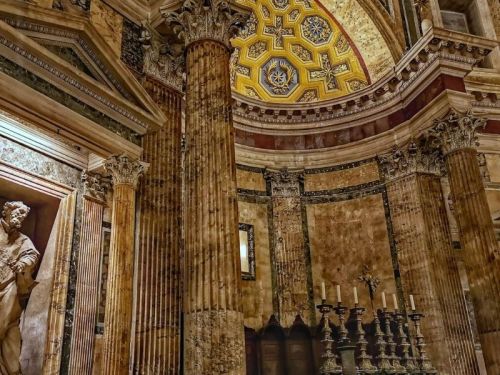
[330, 359]
[424, 362]
[390, 339]
[364, 359]
[403, 343]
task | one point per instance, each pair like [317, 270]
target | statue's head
[14, 213]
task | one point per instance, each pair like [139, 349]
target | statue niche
[18, 259]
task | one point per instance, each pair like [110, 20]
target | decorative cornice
[456, 131]
[159, 60]
[284, 183]
[199, 20]
[125, 170]
[416, 157]
[96, 186]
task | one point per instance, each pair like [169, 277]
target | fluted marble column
[456, 134]
[125, 173]
[427, 264]
[157, 348]
[87, 280]
[214, 340]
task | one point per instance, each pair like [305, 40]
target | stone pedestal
[158, 304]
[214, 340]
[87, 280]
[456, 136]
[427, 264]
[289, 258]
[125, 173]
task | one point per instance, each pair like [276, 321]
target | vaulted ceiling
[295, 51]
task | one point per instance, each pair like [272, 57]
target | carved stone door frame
[65, 225]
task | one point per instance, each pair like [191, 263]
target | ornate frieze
[456, 131]
[284, 183]
[197, 20]
[416, 157]
[96, 186]
[125, 170]
[159, 60]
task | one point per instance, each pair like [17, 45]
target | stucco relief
[18, 258]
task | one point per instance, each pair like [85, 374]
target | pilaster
[427, 264]
[290, 262]
[157, 347]
[87, 281]
[456, 135]
[125, 173]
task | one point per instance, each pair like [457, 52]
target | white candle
[395, 300]
[384, 302]
[355, 290]
[412, 303]
[339, 297]
[323, 291]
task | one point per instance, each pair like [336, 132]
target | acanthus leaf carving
[456, 131]
[125, 170]
[416, 157]
[212, 20]
[96, 185]
[160, 62]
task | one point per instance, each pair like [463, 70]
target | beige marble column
[456, 134]
[157, 347]
[290, 263]
[427, 264]
[87, 280]
[125, 173]
[214, 340]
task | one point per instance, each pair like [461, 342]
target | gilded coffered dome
[295, 51]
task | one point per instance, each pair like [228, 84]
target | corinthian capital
[159, 60]
[456, 131]
[284, 183]
[96, 186]
[125, 170]
[200, 19]
[416, 157]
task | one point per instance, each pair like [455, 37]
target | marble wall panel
[341, 178]
[258, 293]
[495, 14]
[250, 180]
[109, 24]
[344, 236]
[493, 164]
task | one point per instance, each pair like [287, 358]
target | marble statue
[18, 258]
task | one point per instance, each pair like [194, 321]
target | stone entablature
[438, 49]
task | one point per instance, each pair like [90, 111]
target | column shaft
[214, 342]
[158, 328]
[87, 290]
[119, 299]
[429, 270]
[481, 256]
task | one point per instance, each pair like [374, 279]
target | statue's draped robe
[13, 288]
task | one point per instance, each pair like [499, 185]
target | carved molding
[456, 131]
[159, 60]
[125, 170]
[199, 20]
[416, 157]
[96, 186]
[284, 183]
